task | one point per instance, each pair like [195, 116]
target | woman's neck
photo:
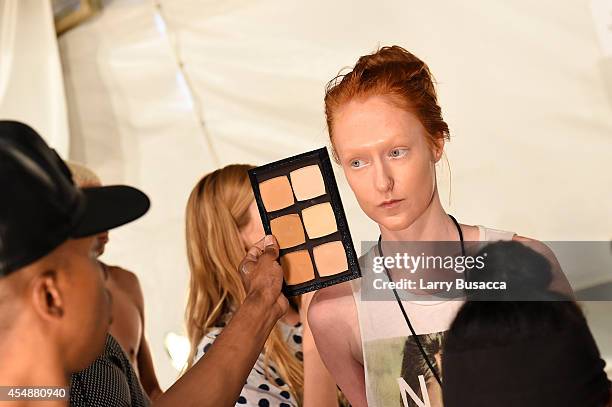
[432, 225]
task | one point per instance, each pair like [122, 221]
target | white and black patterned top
[259, 391]
[108, 381]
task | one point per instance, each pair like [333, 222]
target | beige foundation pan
[299, 203]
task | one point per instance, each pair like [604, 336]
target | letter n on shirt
[406, 389]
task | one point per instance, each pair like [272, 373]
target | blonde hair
[216, 211]
[83, 176]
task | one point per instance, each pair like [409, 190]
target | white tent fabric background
[160, 93]
[31, 85]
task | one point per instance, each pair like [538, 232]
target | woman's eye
[356, 163]
[398, 152]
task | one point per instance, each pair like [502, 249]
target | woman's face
[387, 160]
[253, 231]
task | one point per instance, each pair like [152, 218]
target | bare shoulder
[127, 282]
[328, 304]
[333, 313]
[471, 233]
[334, 323]
[124, 278]
[334, 292]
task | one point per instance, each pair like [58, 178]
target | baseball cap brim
[109, 207]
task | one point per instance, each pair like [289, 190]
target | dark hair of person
[538, 353]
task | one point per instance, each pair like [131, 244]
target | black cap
[40, 207]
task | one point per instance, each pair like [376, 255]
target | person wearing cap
[526, 346]
[54, 308]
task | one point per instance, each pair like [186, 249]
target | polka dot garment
[257, 391]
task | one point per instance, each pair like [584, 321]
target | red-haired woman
[387, 134]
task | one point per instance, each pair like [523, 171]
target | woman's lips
[391, 203]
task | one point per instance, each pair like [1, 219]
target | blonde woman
[222, 223]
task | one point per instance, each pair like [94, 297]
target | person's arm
[332, 316]
[148, 379]
[146, 370]
[218, 377]
[319, 386]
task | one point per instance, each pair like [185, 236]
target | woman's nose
[383, 179]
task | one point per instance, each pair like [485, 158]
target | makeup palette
[299, 204]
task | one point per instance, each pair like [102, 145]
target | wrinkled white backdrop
[160, 93]
[31, 86]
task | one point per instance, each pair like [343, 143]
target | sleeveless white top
[395, 372]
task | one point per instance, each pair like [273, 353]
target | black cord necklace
[401, 306]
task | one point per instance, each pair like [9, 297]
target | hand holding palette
[299, 204]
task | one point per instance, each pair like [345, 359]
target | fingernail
[268, 240]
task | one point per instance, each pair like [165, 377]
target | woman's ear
[47, 297]
[438, 147]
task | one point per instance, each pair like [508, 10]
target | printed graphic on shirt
[398, 373]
